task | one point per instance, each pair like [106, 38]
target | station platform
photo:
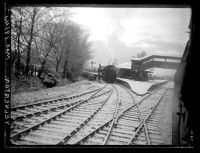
[139, 87]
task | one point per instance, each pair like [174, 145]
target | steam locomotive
[109, 74]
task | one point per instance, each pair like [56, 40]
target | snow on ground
[165, 124]
[141, 87]
[45, 94]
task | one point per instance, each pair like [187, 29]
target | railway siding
[110, 115]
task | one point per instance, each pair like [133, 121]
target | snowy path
[141, 87]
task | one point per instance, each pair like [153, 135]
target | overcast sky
[120, 33]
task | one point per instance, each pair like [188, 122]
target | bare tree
[18, 18]
[72, 50]
[60, 44]
[46, 43]
[38, 32]
[81, 52]
[35, 19]
[71, 41]
[141, 54]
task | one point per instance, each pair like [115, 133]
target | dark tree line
[47, 34]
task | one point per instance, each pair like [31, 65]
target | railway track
[31, 122]
[124, 128]
[44, 106]
[110, 131]
[106, 116]
[148, 128]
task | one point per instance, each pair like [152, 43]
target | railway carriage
[183, 112]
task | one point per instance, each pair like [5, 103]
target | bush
[25, 83]
[50, 78]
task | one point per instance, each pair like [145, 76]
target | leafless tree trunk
[18, 50]
[28, 55]
[49, 41]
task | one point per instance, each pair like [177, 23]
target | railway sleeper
[122, 125]
[123, 135]
[42, 108]
[130, 119]
[68, 121]
[121, 139]
[99, 135]
[32, 109]
[132, 112]
[123, 131]
[17, 114]
[84, 110]
[45, 106]
[44, 132]
[97, 140]
[103, 115]
[129, 123]
[25, 112]
[71, 124]
[95, 123]
[117, 130]
[131, 115]
[73, 118]
[54, 130]
[61, 128]
[46, 136]
[28, 120]
[39, 140]
[91, 104]
[78, 112]
[101, 119]
[17, 123]
[92, 127]
[79, 115]
[125, 127]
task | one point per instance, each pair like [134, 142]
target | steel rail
[67, 137]
[17, 135]
[143, 122]
[114, 117]
[102, 126]
[141, 115]
[118, 116]
[112, 121]
[51, 100]
[51, 109]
